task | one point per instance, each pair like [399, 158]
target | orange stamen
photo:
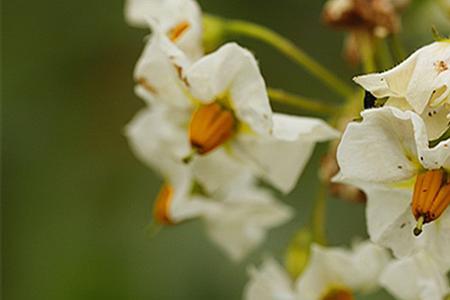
[176, 32]
[162, 205]
[431, 197]
[338, 294]
[211, 126]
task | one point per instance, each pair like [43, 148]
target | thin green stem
[319, 217]
[289, 49]
[367, 52]
[384, 54]
[397, 48]
[304, 103]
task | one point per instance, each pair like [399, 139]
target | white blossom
[330, 272]
[179, 20]
[228, 83]
[416, 277]
[388, 155]
[420, 83]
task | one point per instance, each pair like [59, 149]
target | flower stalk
[301, 102]
[288, 48]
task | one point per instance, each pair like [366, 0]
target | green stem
[319, 217]
[290, 50]
[367, 53]
[384, 55]
[301, 102]
[397, 47]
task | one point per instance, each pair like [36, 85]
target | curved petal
[385, 206]
[430, 158]
[280, 159]
[157, 73]
[231, 74]
[157, 142]
[356, 270]
[269, 282]
[217, 169]
[381, 148]
[416, 79]
[245, 215]
[169, 14]
[415, 278]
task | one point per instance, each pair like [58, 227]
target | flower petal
[232, 72]
[280, 159]
[415, 278]
[381, 148]
[416, 79]
[357, 269]
[269, 282]
[157, 73]
[246, 213]
[168, 14]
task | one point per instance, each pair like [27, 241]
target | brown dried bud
[376, 16]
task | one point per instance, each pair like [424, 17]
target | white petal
[156, 141]
[436, 120]
[269, 282]
[385, 206]
[233, 72]
[430, 158]
[356, 270]
[217, 169]
[157, 66]
[415, 79]
[381, 148]
[415, 278]
[246, 214]
[280, 159]
[167, 14]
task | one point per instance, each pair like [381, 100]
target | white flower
[157, 136]
[336, 271]
[244, 214]
[237, 213]
[415, 278]
[420, 83]
[179, 20]
[332, 273]
[388, 155]
[269, 282]
[225, 97]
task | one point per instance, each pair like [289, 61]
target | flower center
[338, 294]
[431, 197]
[211, 126]
[176, 32]
[162, 205]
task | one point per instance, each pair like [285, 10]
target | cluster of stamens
[211, 125]
[431, 197]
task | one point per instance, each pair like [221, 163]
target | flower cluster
[208, 129]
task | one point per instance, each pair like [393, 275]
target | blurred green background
[76, 204]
